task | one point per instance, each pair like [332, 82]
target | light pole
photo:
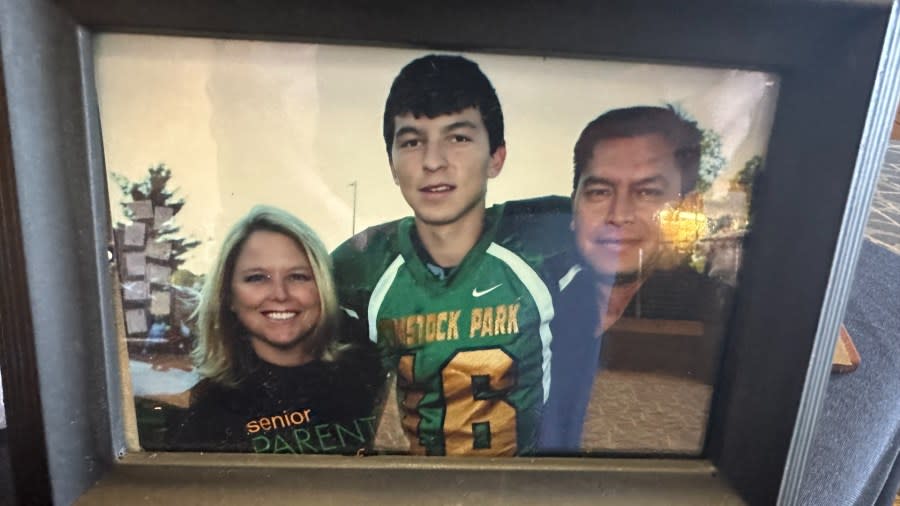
[353, 220]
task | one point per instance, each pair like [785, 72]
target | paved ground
[646, 413]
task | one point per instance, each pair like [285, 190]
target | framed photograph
[234, 112]
[685, 191]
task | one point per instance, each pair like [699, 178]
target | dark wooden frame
[837, 62]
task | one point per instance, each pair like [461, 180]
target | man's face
[627, 182]
[442, 164]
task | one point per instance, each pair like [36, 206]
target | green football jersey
[471, 351]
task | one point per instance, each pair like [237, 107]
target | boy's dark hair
[443, 84]
[644, 120]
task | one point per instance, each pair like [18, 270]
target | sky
[294, 125]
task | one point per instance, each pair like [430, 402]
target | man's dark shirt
[318, 407]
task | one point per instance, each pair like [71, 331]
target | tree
[712, 161]
[150, 248]
[743, 181]
[153, 188]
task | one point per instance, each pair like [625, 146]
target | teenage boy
[631, 164]
[452, 295]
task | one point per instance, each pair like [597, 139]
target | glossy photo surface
[522, 255]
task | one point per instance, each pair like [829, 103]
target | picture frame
[837, 63]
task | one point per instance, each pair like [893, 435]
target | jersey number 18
[477, 419]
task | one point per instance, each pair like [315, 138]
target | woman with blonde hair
[278, 375]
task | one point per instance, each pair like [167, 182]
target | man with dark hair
[631, 122]
[452, 295]
[630, 164]
[441, 84]
[633, 169]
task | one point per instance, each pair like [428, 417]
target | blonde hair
[222, 352]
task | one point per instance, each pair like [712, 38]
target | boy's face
[442, 164]
[627, 182]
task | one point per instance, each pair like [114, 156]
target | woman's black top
[318, 407]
